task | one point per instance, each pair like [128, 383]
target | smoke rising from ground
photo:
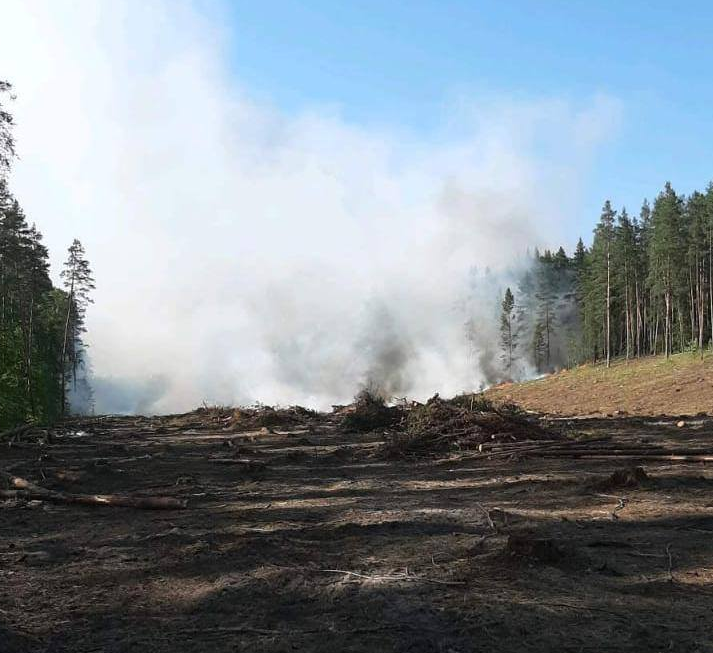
[242, 253]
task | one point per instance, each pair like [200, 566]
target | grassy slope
[681, 385]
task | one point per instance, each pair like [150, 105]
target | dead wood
[661, 455]
[24, 489]
[252, 465]
[16, 431]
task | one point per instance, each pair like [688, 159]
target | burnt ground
[331, 547]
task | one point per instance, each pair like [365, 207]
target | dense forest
[642, 288]
[41, 326]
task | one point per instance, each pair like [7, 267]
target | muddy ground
[322, 544]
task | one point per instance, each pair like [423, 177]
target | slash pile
[462, 423]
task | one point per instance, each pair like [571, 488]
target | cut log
[16, 431]
[114, 500]
[24, 489]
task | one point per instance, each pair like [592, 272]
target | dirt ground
[654, 385]
[321, 544]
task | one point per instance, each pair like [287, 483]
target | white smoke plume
[244, 253]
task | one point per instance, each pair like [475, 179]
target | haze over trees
[41, 326]
[643, 287]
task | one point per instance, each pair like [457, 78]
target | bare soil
[321, 544]
[679, 385]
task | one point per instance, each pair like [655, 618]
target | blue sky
[397, 64]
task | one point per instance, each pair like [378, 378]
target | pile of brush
[464, 422]
[249, 418]
[256, 417]
[369, 412]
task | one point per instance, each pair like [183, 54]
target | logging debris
[463, 423]
[369, 412]
[23, 489]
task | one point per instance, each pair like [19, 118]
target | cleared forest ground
[681, 385]
[311, 540]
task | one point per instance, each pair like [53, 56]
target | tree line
[643, 287]
[42, 353]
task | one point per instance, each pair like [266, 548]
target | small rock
[681, 424]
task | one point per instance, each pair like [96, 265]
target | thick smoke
[243, 253]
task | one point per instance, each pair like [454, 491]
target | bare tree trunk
[692, 309]
[64, 346]
[638, 316]
[30, 389]
[710, 276]
[655, 339]
[667, 323]
[627, 312]
[608, 336]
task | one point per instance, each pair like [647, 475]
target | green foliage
[644, 286]
[539, 346]
[508, 336]
[32, 312]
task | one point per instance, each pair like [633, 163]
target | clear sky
[400, 62]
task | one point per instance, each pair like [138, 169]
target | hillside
[681, 385]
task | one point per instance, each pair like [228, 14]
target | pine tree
[623, 263]
[599, 290]
[538, 346]
[696, 254]
[33, 314]
[666, 257]
[644, 339]
[79, 283]
[546, 295]
[508, 337]
[7, 142]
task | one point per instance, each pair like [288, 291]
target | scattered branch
[24, 489]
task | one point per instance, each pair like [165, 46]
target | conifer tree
[624, 261]
[7, 142]
[599, 291]
[78, 282]
[508, 338]
[666, 257]
[538, 346]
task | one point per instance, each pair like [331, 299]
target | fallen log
[16, 431]
[114, 500]
[621, 451]
[24, 489]
[667, 457]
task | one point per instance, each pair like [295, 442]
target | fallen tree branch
[24, 489]
[16, 431]
[692, 458]
[392, 577]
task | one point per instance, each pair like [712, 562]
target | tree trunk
[608, 327]
[64, 346]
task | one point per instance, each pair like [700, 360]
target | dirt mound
[463, 422]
